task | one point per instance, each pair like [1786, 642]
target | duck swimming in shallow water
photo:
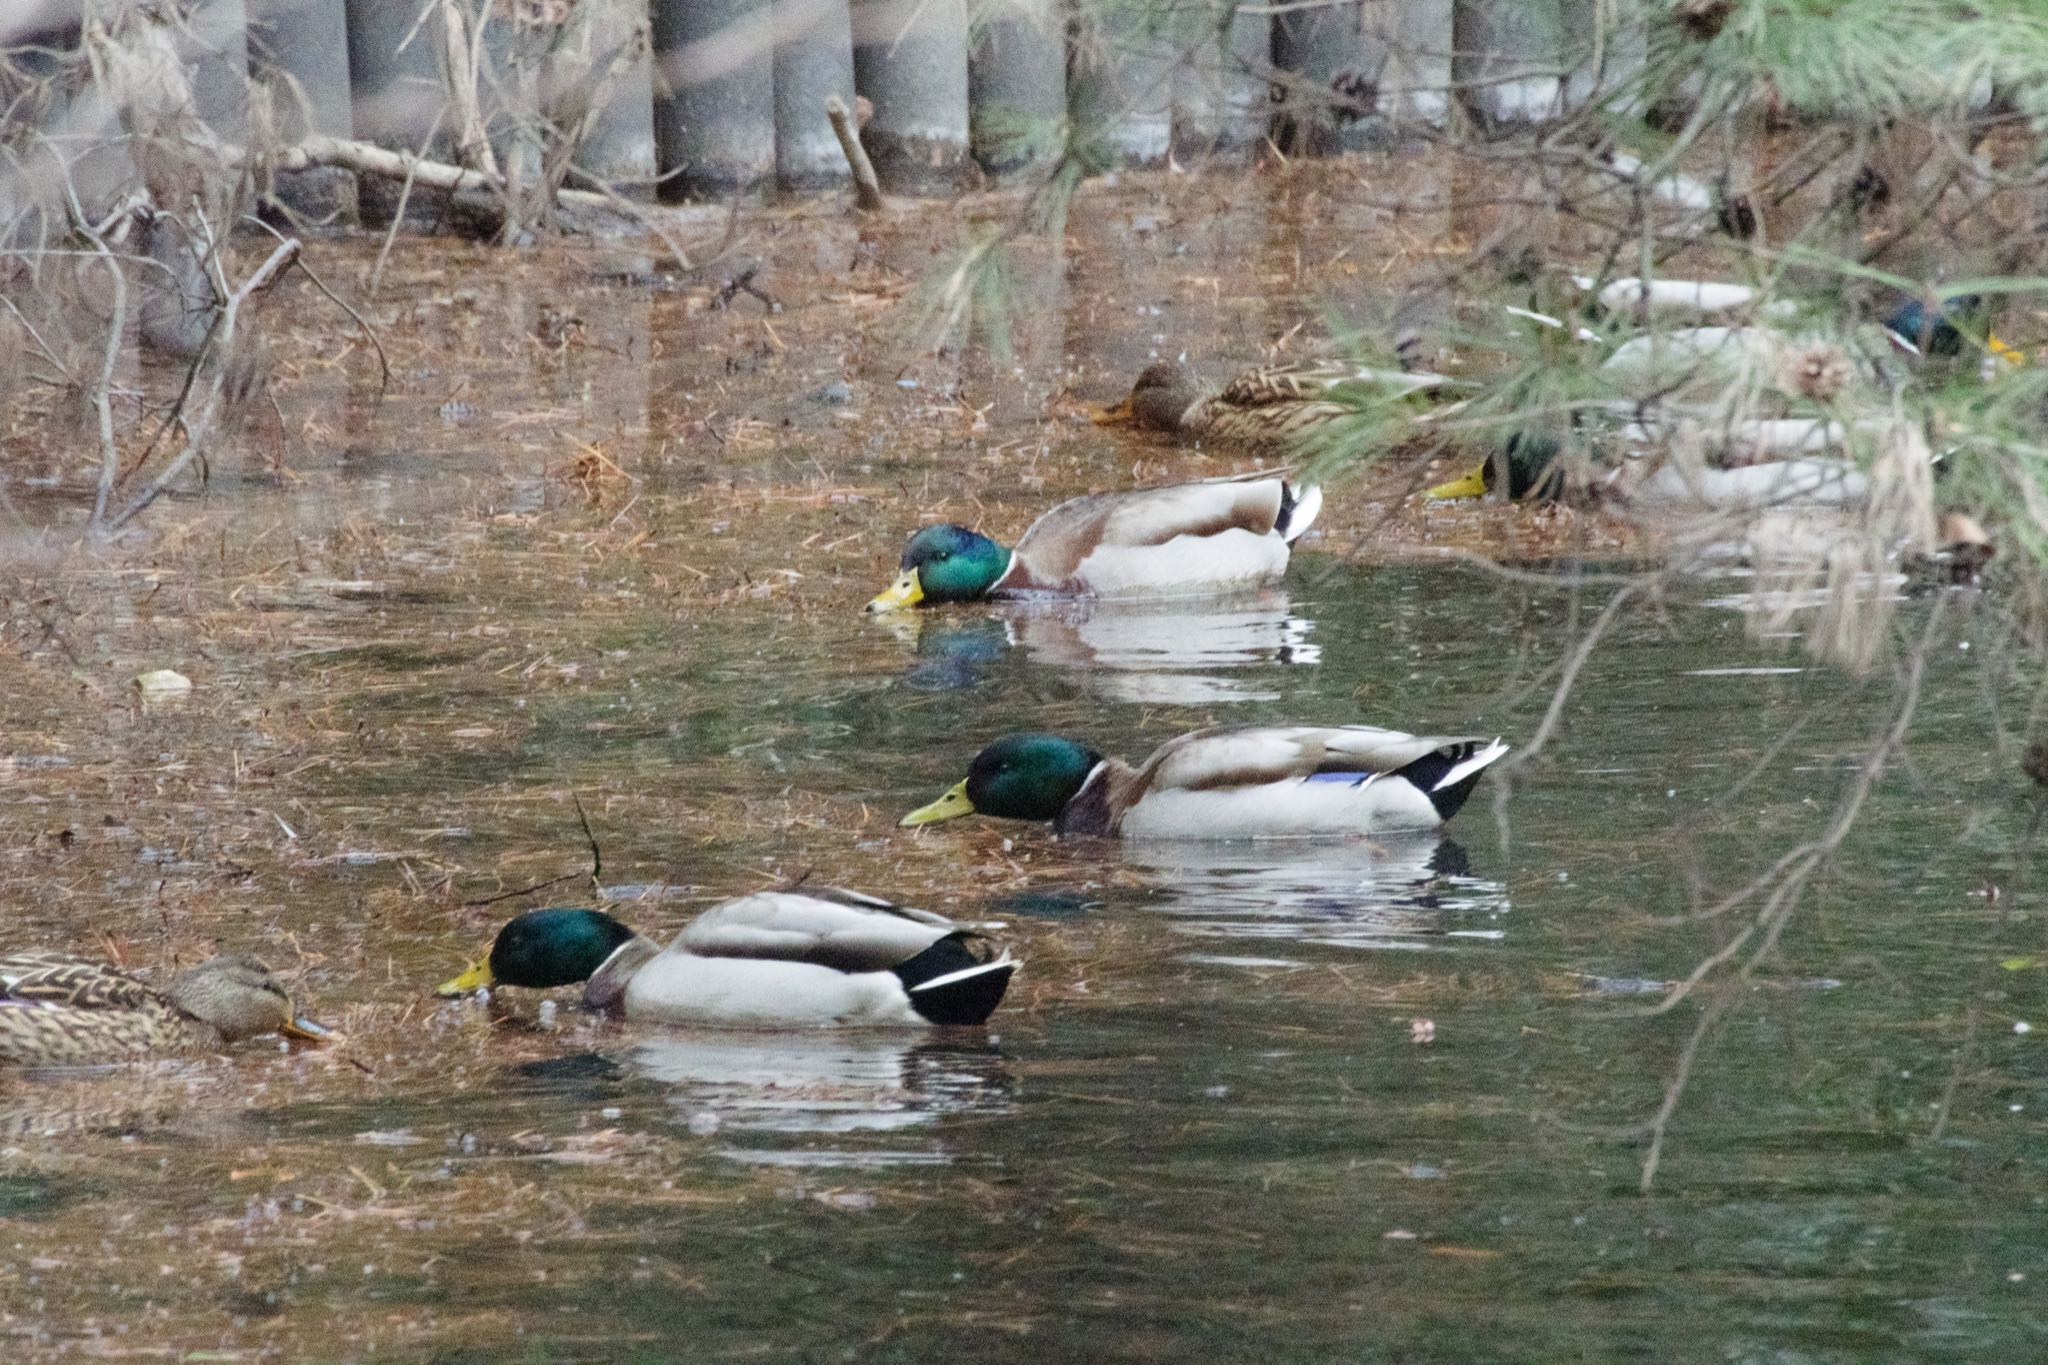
[1261, 781]
[1753, 461]
[1190, 539]
[775, 959]
[1270, 407]
[61, 1010]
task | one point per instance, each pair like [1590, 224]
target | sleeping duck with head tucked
[1187, 540]
[1249, 782]
[775, 959]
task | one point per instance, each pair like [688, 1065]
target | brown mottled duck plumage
[60, 1010]
[1267, 408]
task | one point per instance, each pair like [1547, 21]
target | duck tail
[1447, 774]
[1298, 507]
[948, 984]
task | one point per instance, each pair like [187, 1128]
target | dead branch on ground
[867, 190]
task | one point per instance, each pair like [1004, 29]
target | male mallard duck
[1939, 328]
[772, 959]
[1268, 407]
[1262, 781]
[1191, 538]
[1959, 326]
[60, 1010]
[1526, 457]
[1753, 460]
[1760, 463]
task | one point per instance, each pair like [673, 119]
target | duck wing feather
[844, 930]
[1052, 550]
[1251, 756]
[52, 978]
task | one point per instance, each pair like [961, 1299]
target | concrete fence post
[813, 60]
[910, 61]
[218, 34]
[1120, 79]
[714, 114]
[1222, 90]
[1509, 54]
[397, 97]
[1324, 78]
[605, 54]
[1415, 79]
[298, 54]
[1017, 83]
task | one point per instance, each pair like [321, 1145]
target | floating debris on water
[162, 683]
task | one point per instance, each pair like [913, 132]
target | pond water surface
[1372, 1101]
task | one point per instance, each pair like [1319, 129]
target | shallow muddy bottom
[1274, 1102]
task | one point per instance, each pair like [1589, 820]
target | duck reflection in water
[822, 1082]
[1151, 653]
[1408, 893]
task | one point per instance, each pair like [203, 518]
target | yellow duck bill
[1472, 485]
[475, 979]
[906, 592]
[951, 806]
[1116, 415]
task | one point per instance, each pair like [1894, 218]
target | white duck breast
[1661, 355]
[1232, 559]
[1294, 808]
[732, 992]
[1810, 480]
[1683, 299]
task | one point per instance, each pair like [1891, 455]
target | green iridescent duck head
[1019, 777]
[946, 563]
[542, 949]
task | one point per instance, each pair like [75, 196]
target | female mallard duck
[772, 959]
[1268, 407]
[1192, 538]
[60, 1010]
[1265, 781]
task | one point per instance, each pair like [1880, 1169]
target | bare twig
[199, 432]
[1776, 912]
[102, 395]
[383, 361]
[412, 166]
[522, 891]
[596, 853]
[1573, 664]
[637, 212]
[867, 190]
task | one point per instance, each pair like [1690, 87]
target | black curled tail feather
[1437, 774]
[1299, 505]
[948, 984]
